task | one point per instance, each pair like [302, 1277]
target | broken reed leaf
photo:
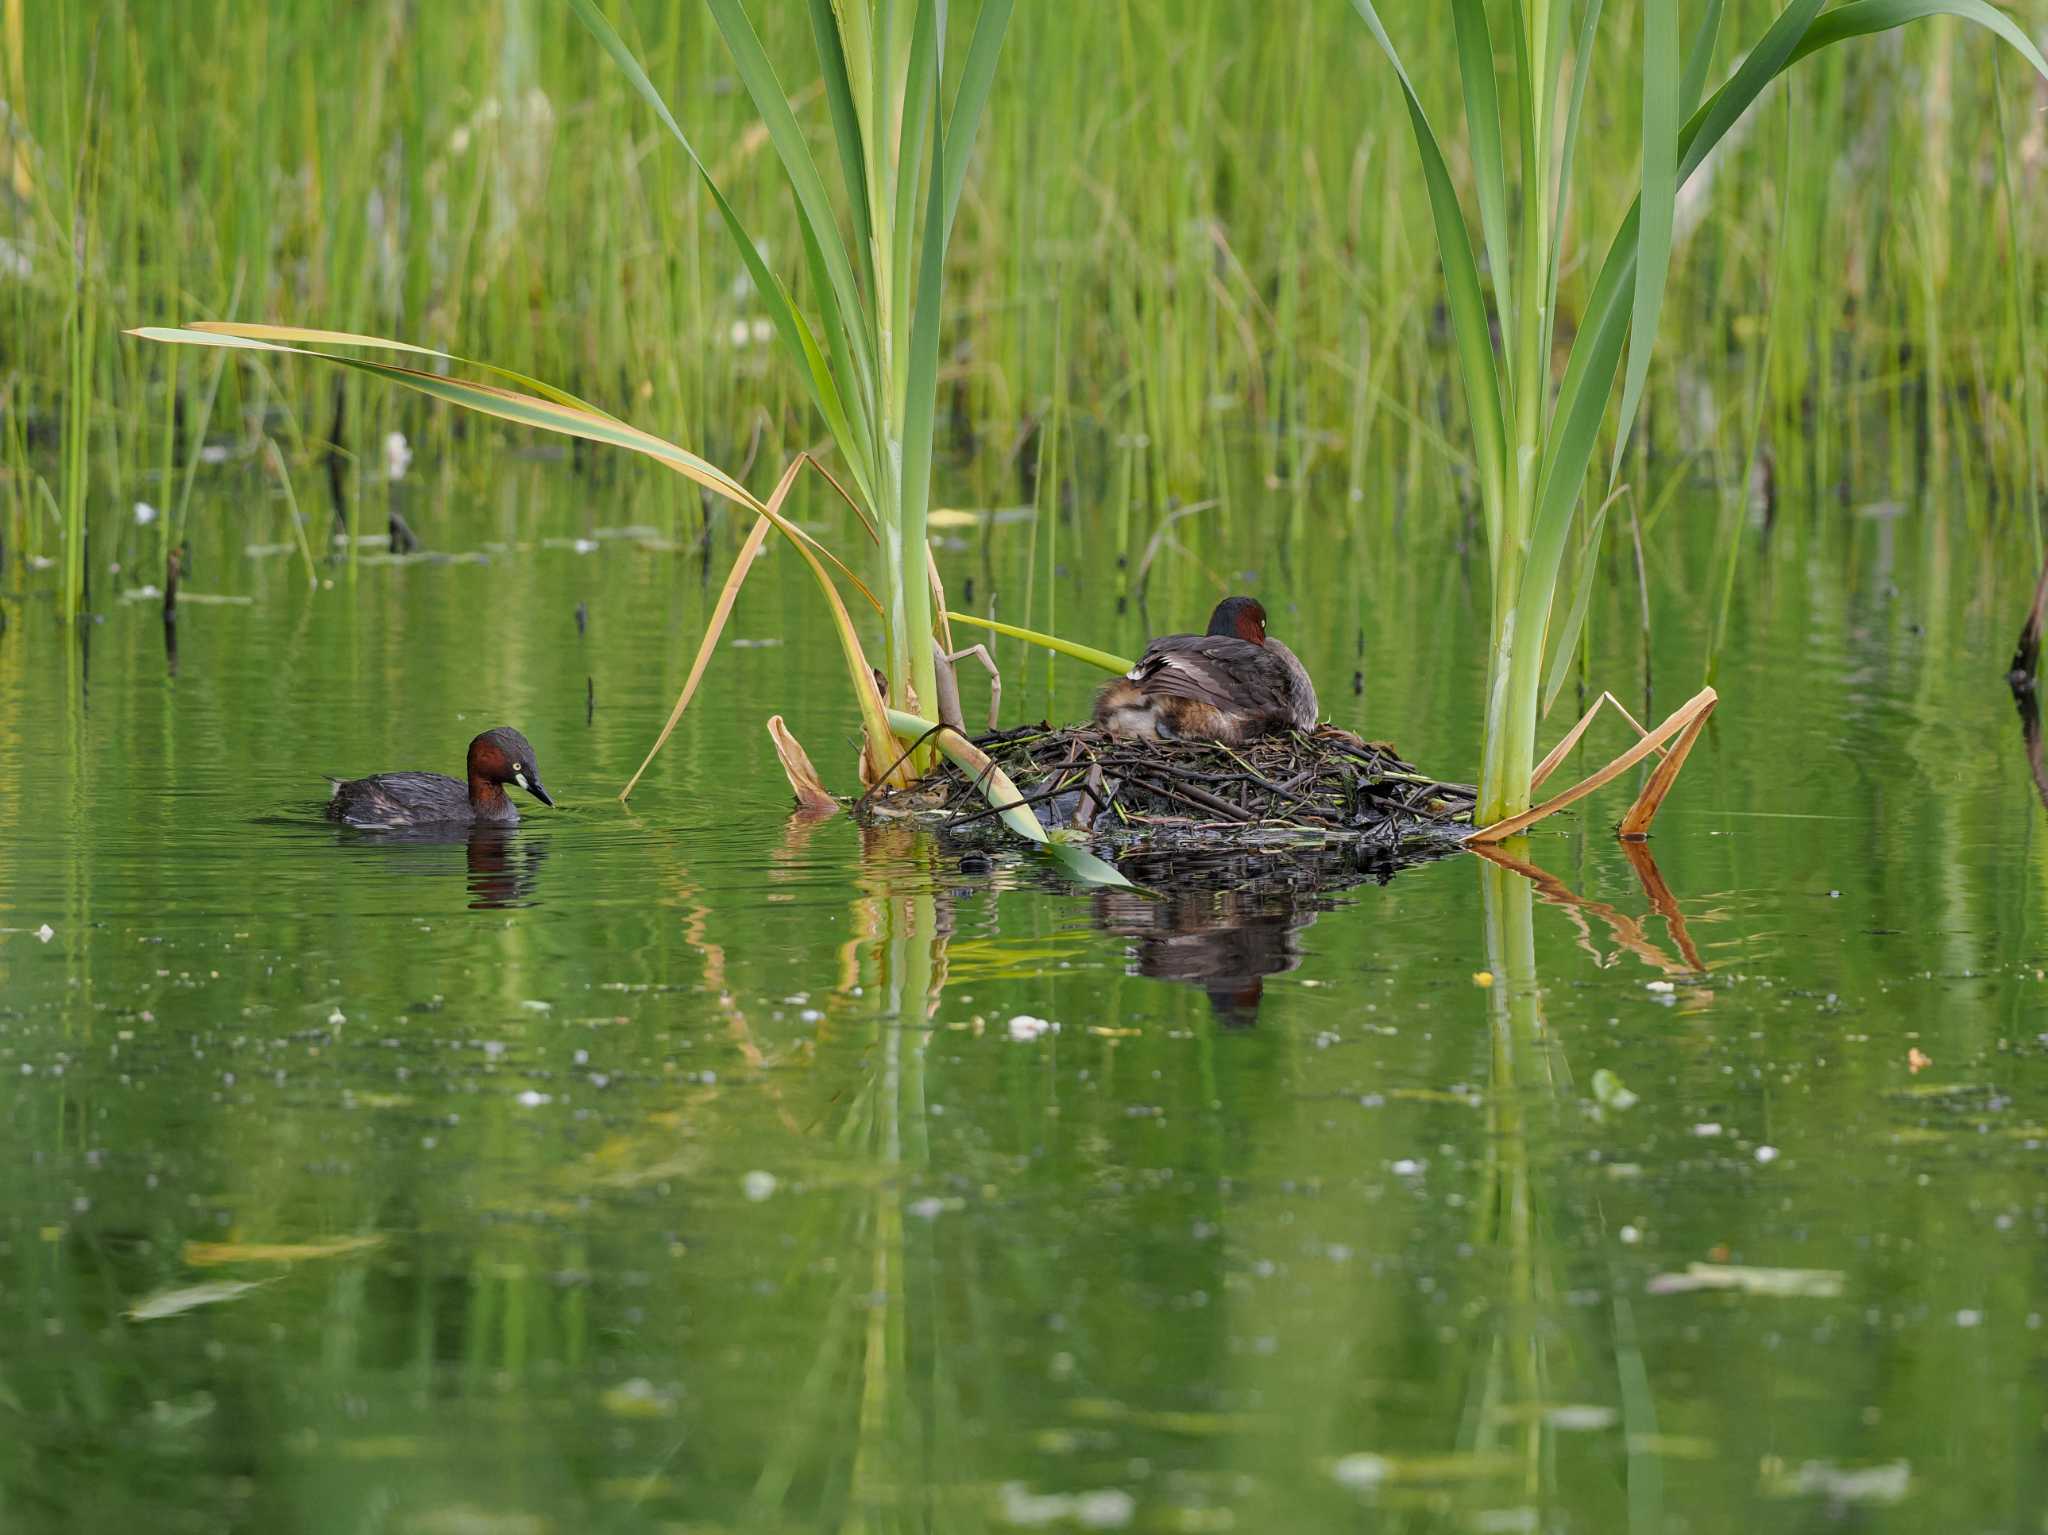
[1559, 752]
[1687, 717]
[1812, 1284]
[1636, 824]
[812, 797]
[720, 613]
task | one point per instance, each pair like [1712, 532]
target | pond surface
[685, 1167]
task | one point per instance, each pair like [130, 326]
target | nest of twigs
[1329, 786]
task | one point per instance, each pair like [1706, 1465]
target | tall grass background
[1192, 232]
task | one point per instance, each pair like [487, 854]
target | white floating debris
[1579, 1417]
[45, 933]
[758, 1185]
[145, 514]
[535, 1005]
[1840, 1484]
[397, 455]
[1969, 1318]
[1767, 1154]
[1814, 1284]
[1108, 1508]
[1707, 1130]
[337, 1018]
[1609, 1091]
[532, 1100]
[176, 1302]
[1659, 986]
[1407, 1167]
[1361, 1471]
[1025, 1028]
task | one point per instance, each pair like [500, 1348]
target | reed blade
[1079, 652]
[920, 401]
[1699, 59]
[1584, 579]
[795, 334]
[853, 162]
[549, 415]
[1467, 303]
[1489, 169]
[1005, 798]
[814, 206]
[1659, 205]
[720, 612]
[919, 113]
[1582, 72]
[970, 99]
[308, 335]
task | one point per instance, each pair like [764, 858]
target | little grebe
[496, 758]
[1233, 684]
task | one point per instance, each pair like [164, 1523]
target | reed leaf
[1582, 72]
[1699, 59]
[1467, 303]
[720, 612]
[853, 160]
[814, 206]
[314, 337]
[1079, 652]
[830, 387]
[1659, 204]
[920, 399]
[1489, 169]
[1005, 798]
[1584, 575]
[570, 421]
[970, 99]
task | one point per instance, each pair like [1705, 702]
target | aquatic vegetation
[871, 359]
[1534, 440]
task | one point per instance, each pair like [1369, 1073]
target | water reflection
[1517, 1407]
[1627, 932]
[1224, 941]
[500, 864]
[2028, 701]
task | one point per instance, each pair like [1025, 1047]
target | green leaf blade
[1659, 205]
[1489, 167]
[1474, 340]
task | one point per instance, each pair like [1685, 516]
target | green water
[684, 1168]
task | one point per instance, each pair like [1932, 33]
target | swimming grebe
[1233, 684]
[496, 757]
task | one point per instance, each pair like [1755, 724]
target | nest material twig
[1329, 785]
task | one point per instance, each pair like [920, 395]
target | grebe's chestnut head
[505, 756]
[1239, 618]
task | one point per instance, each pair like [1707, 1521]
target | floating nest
[1328, 789]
